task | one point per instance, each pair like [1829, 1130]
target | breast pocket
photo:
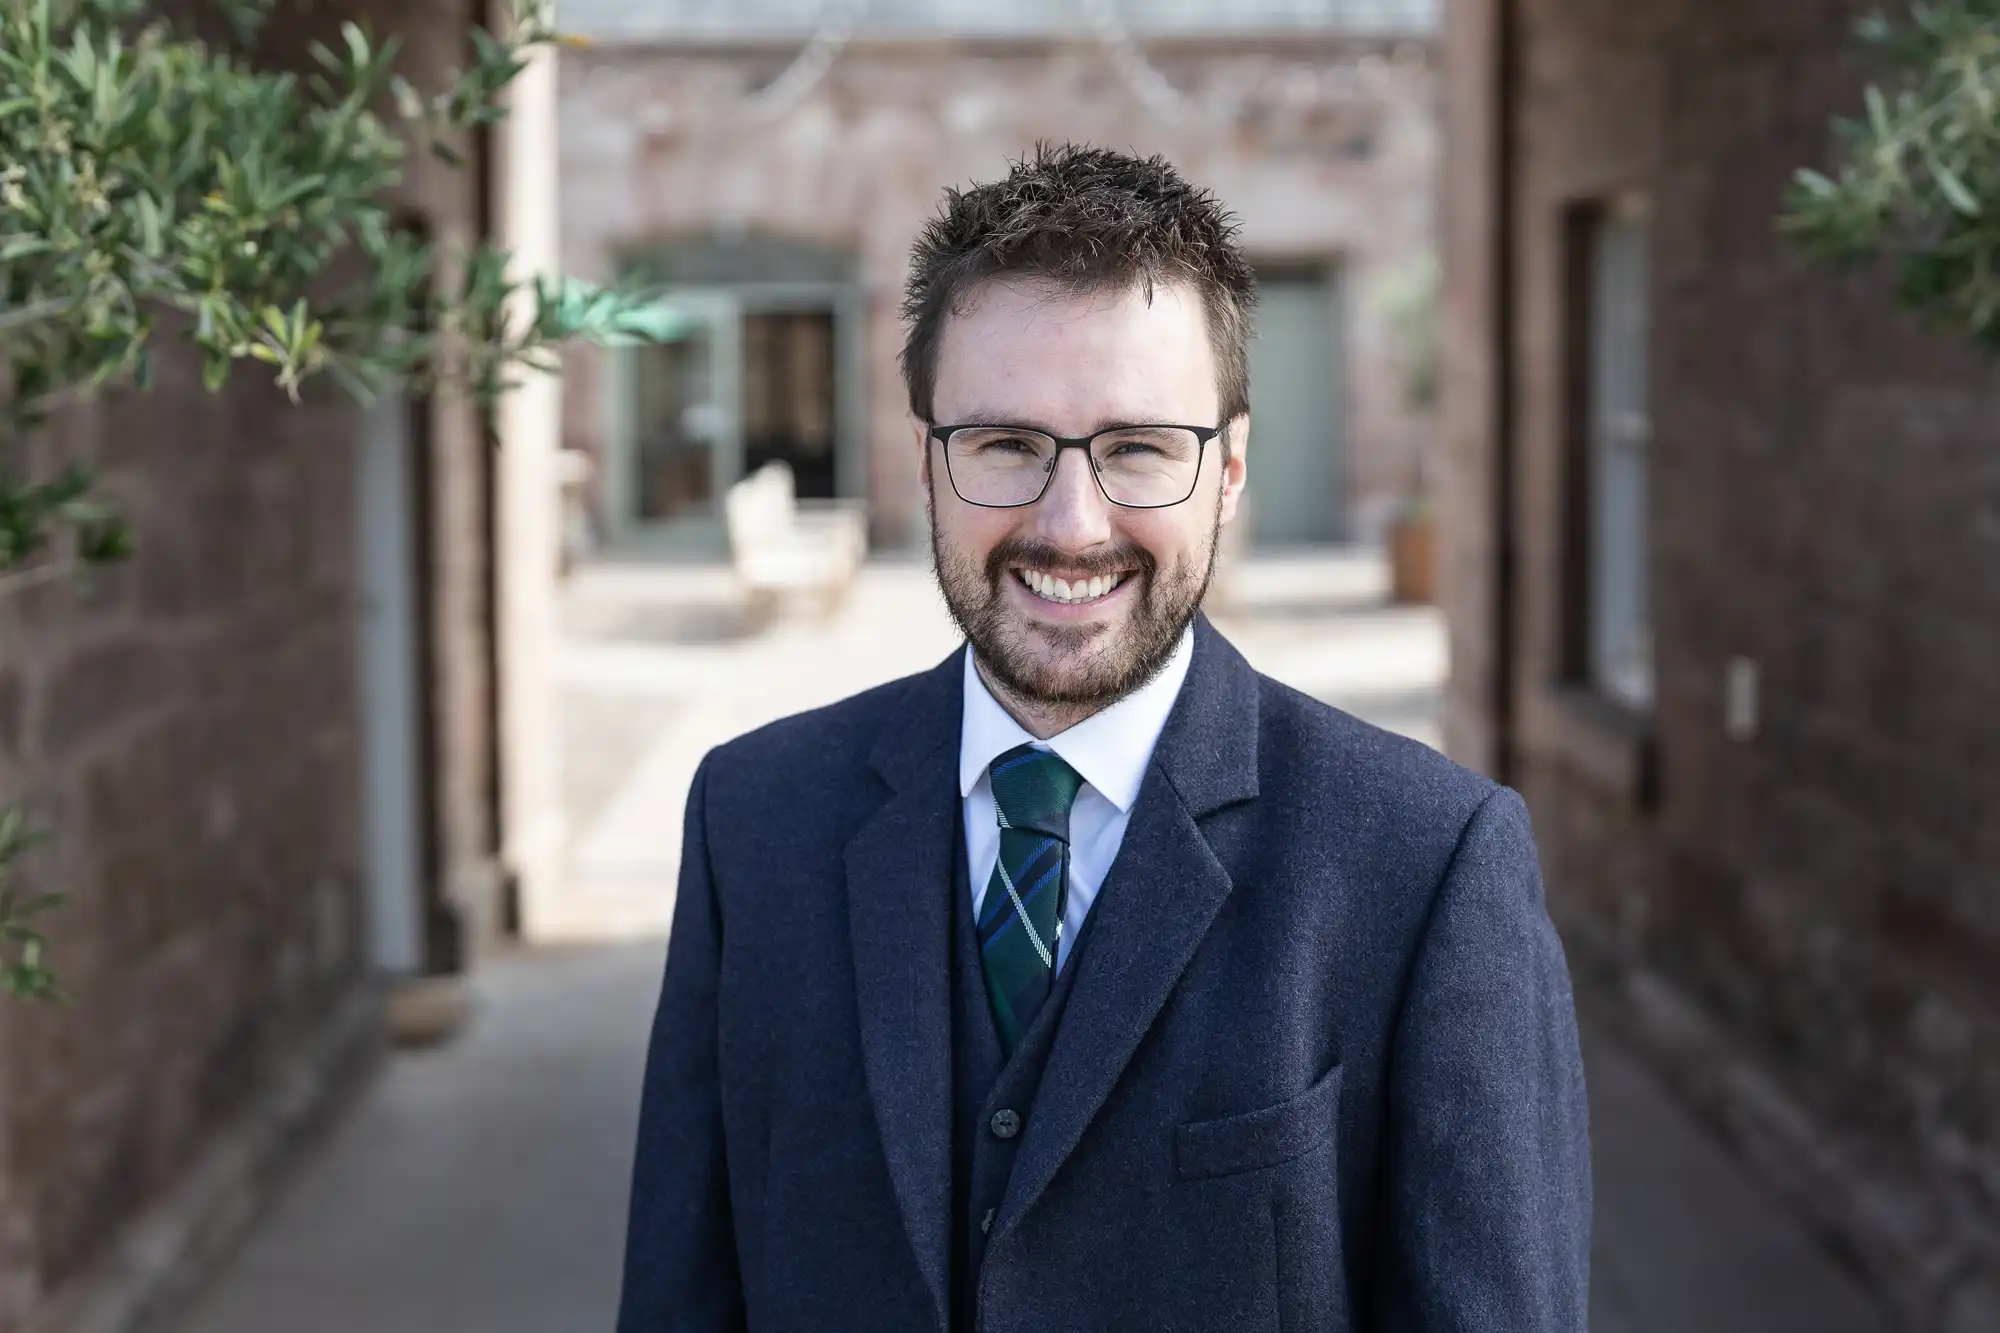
[1252, 1140]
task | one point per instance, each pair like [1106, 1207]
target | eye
[996, 443]
[1150, 446]
[1134, 449]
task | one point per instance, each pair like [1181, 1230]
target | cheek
[1166, 535]
[970, 530]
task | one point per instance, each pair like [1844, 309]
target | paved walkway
[482, 1186]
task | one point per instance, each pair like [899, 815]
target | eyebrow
[988, 418]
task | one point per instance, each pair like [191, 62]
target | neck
[1040, 720]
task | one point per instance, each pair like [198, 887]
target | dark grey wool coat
[1318, 1068]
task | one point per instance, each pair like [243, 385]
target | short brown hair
[1085, 219]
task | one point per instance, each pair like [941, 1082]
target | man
[1091, 980]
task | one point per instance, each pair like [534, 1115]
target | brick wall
[1804, 928]
[652, 151]
[186, 735]
[185, 727]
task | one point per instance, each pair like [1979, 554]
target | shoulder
[1344, 802]
[1400, 790]
[820, 747]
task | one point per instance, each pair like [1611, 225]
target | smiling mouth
[1069, 592]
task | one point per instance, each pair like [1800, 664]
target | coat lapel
[899, 880]
[1156, 904]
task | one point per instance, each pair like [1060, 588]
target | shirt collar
[1109, 749]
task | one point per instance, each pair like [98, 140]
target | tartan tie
[1020, 919]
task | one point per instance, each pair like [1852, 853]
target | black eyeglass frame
[1202, 435]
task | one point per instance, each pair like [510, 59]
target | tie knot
[1034, 789]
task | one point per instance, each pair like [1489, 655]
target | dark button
[986, 1222]
[1006, 1124]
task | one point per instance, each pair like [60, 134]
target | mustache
[1035, 554]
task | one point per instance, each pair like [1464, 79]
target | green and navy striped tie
[1020, 919]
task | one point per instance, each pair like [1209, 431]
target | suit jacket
[1318, 1068]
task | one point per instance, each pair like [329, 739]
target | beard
[1080, 667]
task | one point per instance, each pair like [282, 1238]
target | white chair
[779, 546]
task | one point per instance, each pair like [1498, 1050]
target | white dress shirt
[1108, 749]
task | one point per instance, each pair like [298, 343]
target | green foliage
[145, 172]
[28, 510]
[1919, 172]
[22, 972]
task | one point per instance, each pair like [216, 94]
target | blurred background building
[769, 163]
[1724, 530]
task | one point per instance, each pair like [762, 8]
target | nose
[1073, 513]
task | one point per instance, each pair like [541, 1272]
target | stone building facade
[188, 730]
[1774, 847]
[1320, 137]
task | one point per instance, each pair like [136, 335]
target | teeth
[1061, 590]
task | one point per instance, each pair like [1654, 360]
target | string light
[835, 25]
[1139, 73]
[1358, 76]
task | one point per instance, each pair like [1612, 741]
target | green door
[1297, 437]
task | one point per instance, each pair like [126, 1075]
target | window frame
[1583, 650]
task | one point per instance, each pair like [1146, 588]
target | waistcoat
[992, 1100]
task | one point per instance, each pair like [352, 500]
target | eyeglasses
[1136, 467]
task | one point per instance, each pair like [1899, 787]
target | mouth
[1061, 591]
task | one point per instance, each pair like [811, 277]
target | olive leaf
[1917, 176]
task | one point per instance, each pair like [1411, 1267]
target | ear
[1235, 472]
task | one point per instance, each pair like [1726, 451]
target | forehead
[1034, 355]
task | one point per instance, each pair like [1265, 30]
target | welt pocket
[1269, 1136]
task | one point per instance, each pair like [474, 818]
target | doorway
[788, 396]
[1297, 407]
[765, 364]
[750, 376]
[680, 445]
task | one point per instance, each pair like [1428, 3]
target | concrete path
[1683, 1241]
[482, 1186]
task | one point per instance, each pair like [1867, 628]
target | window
[1610, 646]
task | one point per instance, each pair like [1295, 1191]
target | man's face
[1029, 355]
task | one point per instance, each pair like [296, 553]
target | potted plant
[1412, 543]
